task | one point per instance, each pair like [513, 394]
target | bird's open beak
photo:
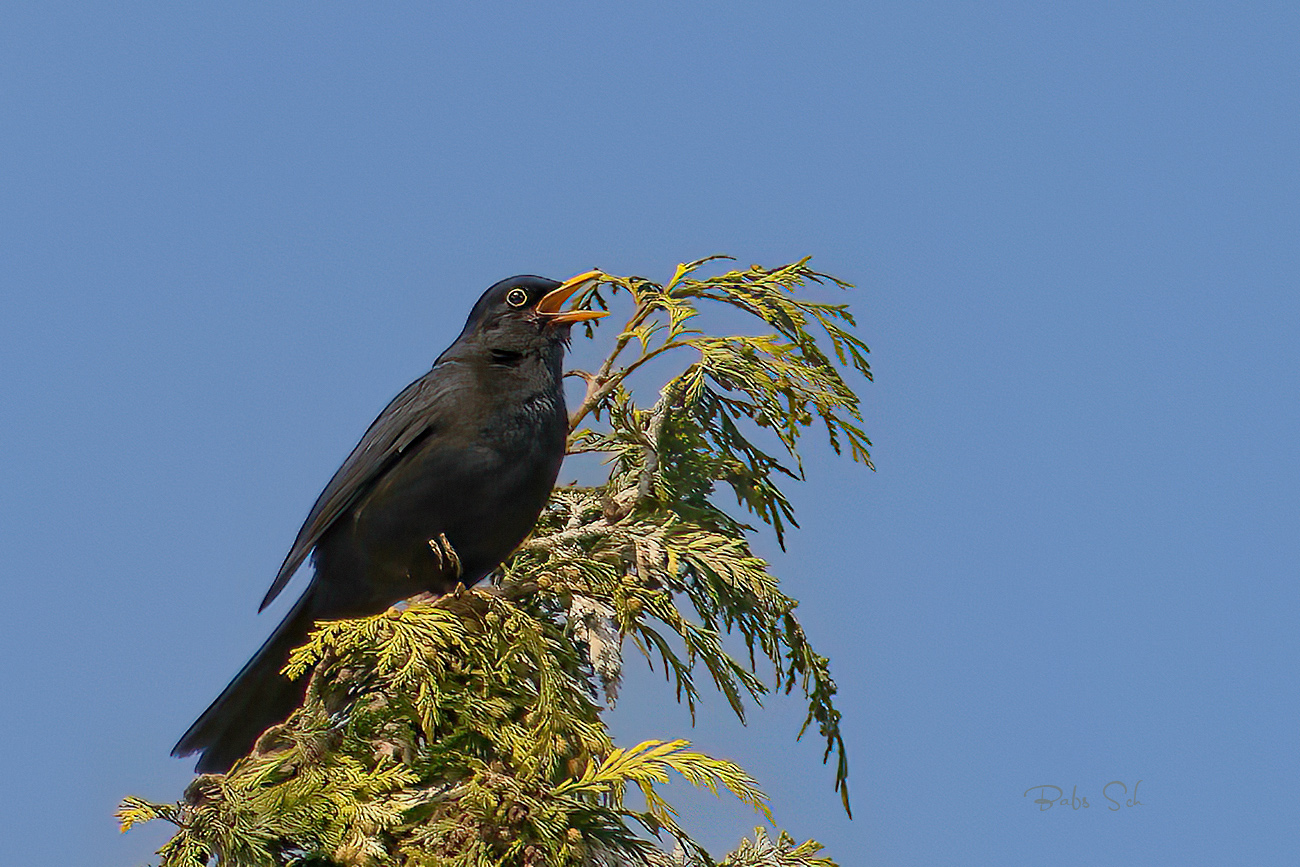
[551, 302]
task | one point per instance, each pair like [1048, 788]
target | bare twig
[602, 383]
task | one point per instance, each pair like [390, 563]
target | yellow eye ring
[517, 297]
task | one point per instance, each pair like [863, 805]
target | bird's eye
[516, 297]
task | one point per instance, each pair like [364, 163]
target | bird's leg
[446, 555]
[452, 558]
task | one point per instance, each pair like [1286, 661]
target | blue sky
[230, 234]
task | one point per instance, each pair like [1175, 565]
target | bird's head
[524, 313]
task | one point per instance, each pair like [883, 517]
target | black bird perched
[442, 487]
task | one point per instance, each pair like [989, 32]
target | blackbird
[443, 486]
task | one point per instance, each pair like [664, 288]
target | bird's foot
[446, 556]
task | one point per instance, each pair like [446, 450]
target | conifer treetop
[466, 730]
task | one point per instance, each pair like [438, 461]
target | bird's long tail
[258, 698]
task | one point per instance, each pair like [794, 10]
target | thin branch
[600, 380]
[599, 527]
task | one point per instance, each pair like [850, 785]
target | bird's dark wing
[411, 415]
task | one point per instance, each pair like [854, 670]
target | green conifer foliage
[466, 730]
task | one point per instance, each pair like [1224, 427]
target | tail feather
[258, 698]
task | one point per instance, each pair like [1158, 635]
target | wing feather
[406, 419]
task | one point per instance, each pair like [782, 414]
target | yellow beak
[550, 304]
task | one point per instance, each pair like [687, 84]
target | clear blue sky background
[229, 233]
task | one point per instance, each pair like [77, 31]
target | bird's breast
[480, 481]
